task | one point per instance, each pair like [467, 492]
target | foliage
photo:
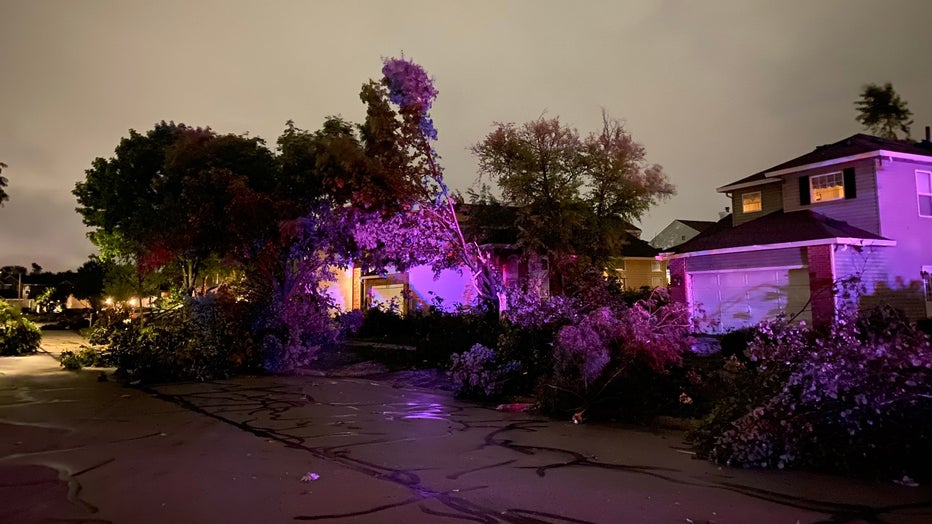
[480, 373]
[610, 343]
[207, 338]
[838, 400]
[86, 357]
[573, 194]
[882, 112]
[18, 336]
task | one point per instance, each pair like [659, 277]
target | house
[859, 208]
[679, 231]
[637, 266]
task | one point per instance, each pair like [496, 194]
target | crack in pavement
[274, 403]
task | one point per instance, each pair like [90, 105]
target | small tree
[882, 112]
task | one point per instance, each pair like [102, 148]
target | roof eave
[845, 241]
[850, 158]
[731, 187]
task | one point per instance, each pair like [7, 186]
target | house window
[924, 191]
[827, 187]
[751, 202]
[655, 266]
[620, 265]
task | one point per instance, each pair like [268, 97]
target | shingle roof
[635, 247]
[853, 145]
[698, 225]
[775, 228]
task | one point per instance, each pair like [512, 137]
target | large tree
[882, 112]
[572, 193]
[170, 196]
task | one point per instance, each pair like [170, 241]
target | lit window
[751, 202]
[924, 190]
[827, 187]
[655, 266]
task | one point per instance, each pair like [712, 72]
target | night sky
[715, 90]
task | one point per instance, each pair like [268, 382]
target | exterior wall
[638, 273]
[789, 257]
[861, 211]
[341, 289]
[673, 235]
[771, 200]
[900, 220]
[450, 286]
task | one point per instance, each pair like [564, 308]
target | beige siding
[637, 273]
[861, 211]
[771, 200]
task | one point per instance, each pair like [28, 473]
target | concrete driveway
[281, 449]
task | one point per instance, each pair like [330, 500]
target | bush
[478, 373]
[855, 398]
[18, 336]
[207, 338]
[592, 358]
[86, 357]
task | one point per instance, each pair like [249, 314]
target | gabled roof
[698, 225]
[637, 248]
[854, 145]
[778, 227]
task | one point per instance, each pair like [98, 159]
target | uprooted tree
[180, 201]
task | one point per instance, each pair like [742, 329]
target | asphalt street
[284, 449]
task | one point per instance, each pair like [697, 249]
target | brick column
[821, 278]
[677, 286]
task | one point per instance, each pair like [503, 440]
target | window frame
[760, 202]
[839, 175]
[920, 195]
[656, 266]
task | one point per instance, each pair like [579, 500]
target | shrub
[608, 344]
[855, 398]
[86, 357]
[478, 373]
[205, 339]
[18, 336]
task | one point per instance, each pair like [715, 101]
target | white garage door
[740, 298]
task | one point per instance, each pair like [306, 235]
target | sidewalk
[55, 341]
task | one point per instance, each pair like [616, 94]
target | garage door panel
[743, 298]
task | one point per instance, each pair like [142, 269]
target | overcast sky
[715, 90]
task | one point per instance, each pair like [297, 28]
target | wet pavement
[277, 449]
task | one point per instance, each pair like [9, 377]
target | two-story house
[679, 231]
[860, 208]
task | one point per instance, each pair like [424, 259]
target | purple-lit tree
[401, 141]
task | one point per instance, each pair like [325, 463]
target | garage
[732, 299]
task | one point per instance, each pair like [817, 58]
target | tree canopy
[882, 112]
[573, 193]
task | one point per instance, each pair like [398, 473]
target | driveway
[281, 449]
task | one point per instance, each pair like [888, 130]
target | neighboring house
[679, 231]
[860, 207]
[417, 288]
[640, 265]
